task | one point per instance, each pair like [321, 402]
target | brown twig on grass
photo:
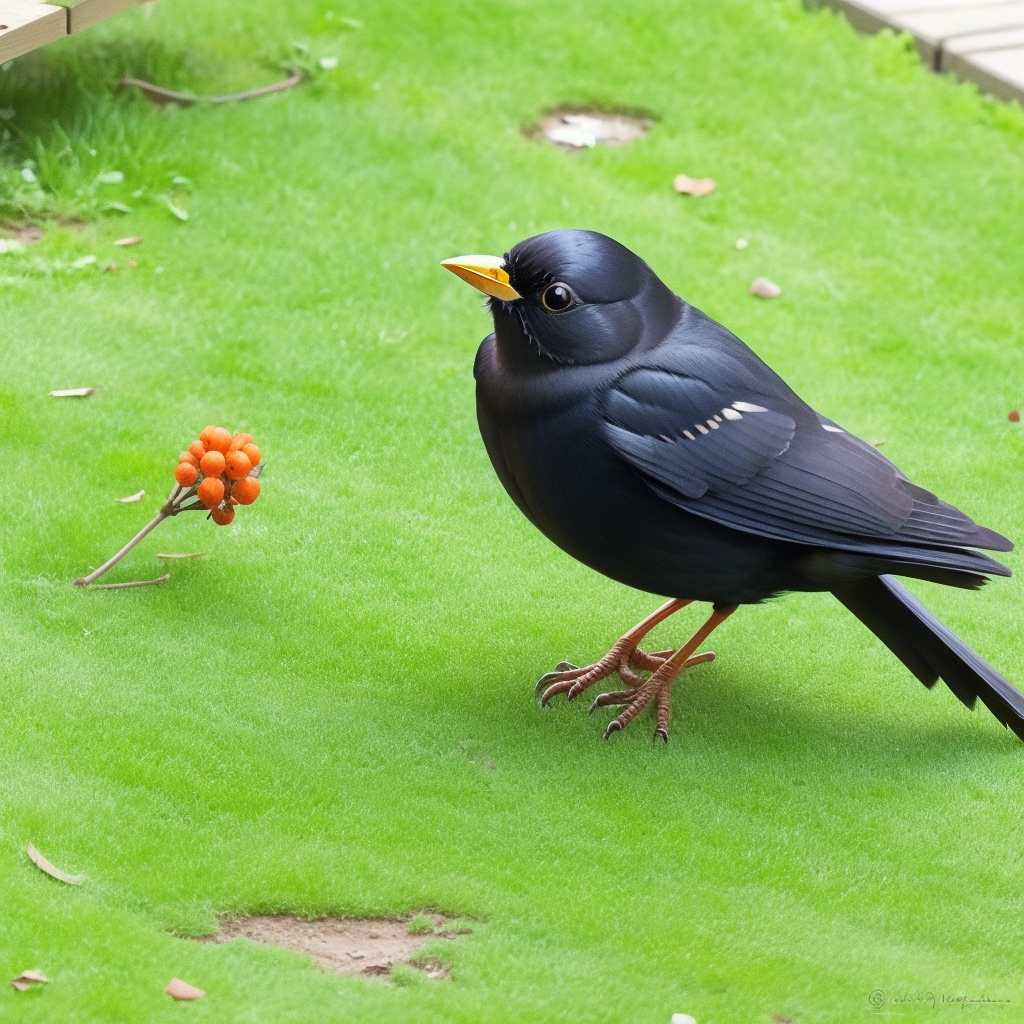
[133, 583]
[171, 507]
[160, 95]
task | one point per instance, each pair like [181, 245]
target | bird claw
[657, 688]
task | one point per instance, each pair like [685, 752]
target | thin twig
[158, 94]
[134, 583]
[170, 508]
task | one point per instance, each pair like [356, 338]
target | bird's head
[570, 297]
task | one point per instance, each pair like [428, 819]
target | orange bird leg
[660, 684]
[573, 681]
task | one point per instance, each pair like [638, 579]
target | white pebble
[765, 289]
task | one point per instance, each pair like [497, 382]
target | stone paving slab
[978, 40]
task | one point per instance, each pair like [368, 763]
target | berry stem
[170, 508]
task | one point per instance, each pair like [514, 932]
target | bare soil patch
[574, 129]
[23, 232]
[346, 945]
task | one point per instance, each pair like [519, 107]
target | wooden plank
[977, 40]
[26, 25]
[999, 72]
[85, 13]
[932, 28]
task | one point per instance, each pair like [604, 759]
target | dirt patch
[23, 232]
[347, 945]
[584, 129]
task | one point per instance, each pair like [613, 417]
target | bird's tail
[929, 649]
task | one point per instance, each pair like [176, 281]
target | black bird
[650, 443]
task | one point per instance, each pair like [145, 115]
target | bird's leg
[602, 700]
[573, 681]
[659, 686]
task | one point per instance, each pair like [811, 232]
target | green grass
[303, 721]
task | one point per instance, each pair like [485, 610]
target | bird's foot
[623, 658]
[657, 688]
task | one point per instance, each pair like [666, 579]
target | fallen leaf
[110, 268]
[491, 766]
[1014, 416]
[132, 240]
[27, 979]
[878, 444]
[44, 865]
[177, 211]
[132, 498]
[184, 554]
[765, 289]
[182, 990]
[741, 243]
[84, 261]
[693, 186]
[73, 393]
[133, 265]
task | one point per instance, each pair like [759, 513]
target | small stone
[686, 185]
[1014, 416]
[765, 289]
[183, 991]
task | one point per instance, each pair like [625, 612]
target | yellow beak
[484, 272]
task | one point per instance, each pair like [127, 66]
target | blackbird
[651, 444]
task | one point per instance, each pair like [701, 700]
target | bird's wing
[770, 465]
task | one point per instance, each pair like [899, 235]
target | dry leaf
[182, 990]
[185, 554]
[741, 243]
[44, 865]
[73, 393]
[27, 979]
[765, 289]
[1014, 416]
[110, 268]
[133, 265]
[132, 498]
[133, 240]
[693, 186]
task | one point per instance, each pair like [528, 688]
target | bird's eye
[557, 298]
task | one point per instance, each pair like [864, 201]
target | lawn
[332, 713]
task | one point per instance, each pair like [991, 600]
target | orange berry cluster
[222, 464]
